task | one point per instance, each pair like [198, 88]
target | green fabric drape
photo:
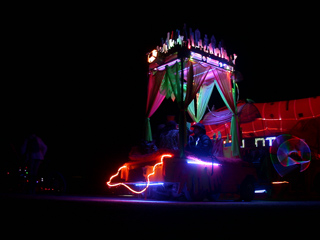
[171, 84]
[224, 85]
[148, 132]
[172, 87]
[202, 102]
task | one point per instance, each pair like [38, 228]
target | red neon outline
[148, 180]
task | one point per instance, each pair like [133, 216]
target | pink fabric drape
[223, 81]
[155, 98]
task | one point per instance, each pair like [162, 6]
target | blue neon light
[202, 163]
[150, 184]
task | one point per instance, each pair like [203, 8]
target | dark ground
[128, 217]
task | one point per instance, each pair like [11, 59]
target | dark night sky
[79, 77]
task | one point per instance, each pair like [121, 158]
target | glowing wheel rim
[289, 153]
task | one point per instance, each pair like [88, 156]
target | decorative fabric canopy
[200, 78]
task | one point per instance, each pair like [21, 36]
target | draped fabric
[202, 102]
[167, 84]
[223, 81]
[171, 85]
[247, 112]
[195, 79]
[155, 98]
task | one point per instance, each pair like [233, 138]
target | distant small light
[280, 182]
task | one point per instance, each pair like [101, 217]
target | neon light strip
[148, 180]
[194, 160]
[196, 56]
[212, 62]
[150, 184]
[202, 163]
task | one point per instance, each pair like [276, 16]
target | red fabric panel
[276, 118]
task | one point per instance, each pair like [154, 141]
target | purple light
[194, 160]
[150, 184]
[202, 163]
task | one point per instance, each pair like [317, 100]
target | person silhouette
[33, 151]
[200, 144]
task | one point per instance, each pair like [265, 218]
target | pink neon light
[148, 180]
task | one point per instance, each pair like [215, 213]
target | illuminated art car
[186, 68]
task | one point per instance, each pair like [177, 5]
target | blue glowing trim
[212, 61]
[196, 56]
[150, 184]
[260, 191]
[202, 163]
